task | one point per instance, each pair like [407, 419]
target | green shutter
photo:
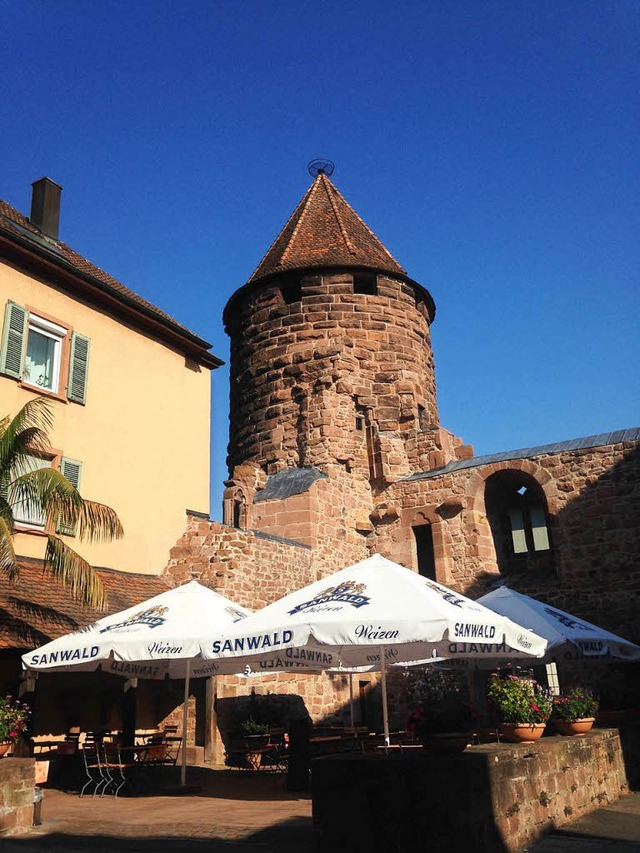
[14, 340]
[71, 470]
[78, 366]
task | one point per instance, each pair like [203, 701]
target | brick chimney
[45, 206]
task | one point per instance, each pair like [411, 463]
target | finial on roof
[320, 166]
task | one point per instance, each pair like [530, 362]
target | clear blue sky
[492, 146]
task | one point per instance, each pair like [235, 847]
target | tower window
[292, 292]
[422, 418]
[366, 283]
[359, 424]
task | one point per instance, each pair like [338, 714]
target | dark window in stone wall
[517, 513]
[292, 292]
[424, 550]
[364, 282]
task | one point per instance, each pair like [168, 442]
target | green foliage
[514, 808]
[49, 493]
[518, 699]
[13, 718]
[574, 704]
[253, 727]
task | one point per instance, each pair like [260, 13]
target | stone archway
[512, 504]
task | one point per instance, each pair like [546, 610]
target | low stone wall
[492, 798]
[17, 784]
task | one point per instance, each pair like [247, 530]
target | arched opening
[517, 512]
[239, 511]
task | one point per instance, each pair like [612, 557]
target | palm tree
[48, 493]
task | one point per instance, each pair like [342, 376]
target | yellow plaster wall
[142, 437]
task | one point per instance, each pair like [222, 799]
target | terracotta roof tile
[325, 231]
[37, 608]
[18, 225]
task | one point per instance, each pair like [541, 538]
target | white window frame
[57, 334]
[26, 524]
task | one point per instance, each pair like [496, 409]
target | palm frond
[74, 572]
[45, 492]
[29, 426]
[98, 522]
[8, 563]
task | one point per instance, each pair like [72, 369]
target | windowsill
[26, 528]
[36, 389]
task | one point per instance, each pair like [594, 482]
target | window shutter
[518, 535]
[78, 366]
[14, 339]
[539, 529]
[71, 470]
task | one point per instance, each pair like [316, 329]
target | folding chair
[93, 768]
[114, 768]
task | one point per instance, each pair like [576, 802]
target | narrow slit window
[424, 551]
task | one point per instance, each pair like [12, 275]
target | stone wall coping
[605, 439]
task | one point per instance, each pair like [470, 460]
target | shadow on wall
[595, 539]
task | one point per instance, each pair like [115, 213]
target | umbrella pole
[353, 725]
[185, 713]
[385, 710]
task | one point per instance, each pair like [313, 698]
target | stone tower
[332, 380]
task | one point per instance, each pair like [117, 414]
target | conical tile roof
[325, 231]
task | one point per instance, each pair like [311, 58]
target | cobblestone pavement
[237, 812]
[233, 811]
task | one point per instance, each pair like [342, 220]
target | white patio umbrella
[568, 636]
[372, 613]
[156, 639]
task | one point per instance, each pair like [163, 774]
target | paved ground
[233, 811]
[252, 813]
[612, 829]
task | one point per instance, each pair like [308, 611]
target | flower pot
[574, 727]
[521, 732]
[5, 746]
[446, 743]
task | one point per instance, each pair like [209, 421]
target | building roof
[17, 232]
[38, 608]
[602, 440]
[288, 482]
[325, 231]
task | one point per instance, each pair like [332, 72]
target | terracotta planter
[447, 743]
[5, 746]
[521, 732]
[574, 727]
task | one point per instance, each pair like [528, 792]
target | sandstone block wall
[17, 784]
[490, 798]
[249, 568]
[593, 502]
[301, 373]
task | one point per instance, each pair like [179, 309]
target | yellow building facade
[129, 389]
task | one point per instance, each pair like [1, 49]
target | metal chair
[114, 768]
[94, 770]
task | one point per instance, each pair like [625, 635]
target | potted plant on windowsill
[574, 711]
[521, 705]
[13, 720]
[442, 720]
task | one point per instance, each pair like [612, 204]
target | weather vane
[320, 166]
